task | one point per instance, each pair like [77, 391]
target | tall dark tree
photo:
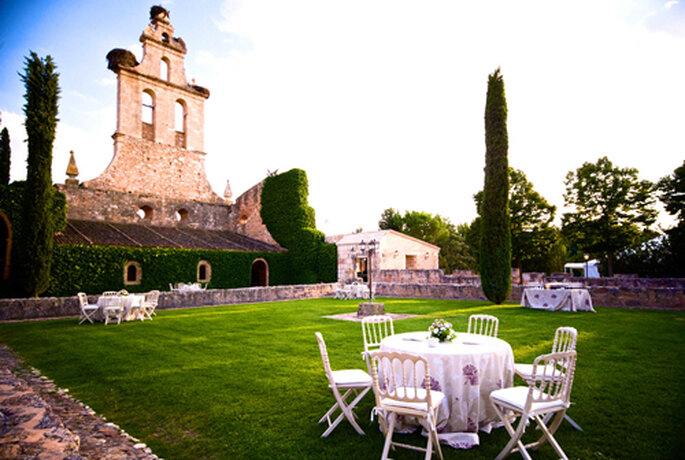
[5, 154]
[612, 209]
[42, 93]
[495, 246]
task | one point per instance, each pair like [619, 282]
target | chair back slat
[483, 325]
[324, 358]
[401, 377]
[557, 370]
[374, 329]
[565, 339]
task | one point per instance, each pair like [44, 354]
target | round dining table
[466, 370]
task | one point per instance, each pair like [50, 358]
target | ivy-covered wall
[291, 221]
[94, 269]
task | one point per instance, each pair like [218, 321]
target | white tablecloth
[131, 303]
[557, 299]
[466, 371]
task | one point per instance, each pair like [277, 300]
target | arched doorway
[260, 273]
[5, 246]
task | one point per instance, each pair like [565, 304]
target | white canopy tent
[575, 267]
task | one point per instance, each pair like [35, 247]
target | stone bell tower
[159, 138]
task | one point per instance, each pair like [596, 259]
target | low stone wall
[50, 307]
[605, 296]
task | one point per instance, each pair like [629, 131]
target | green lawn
[246, 381]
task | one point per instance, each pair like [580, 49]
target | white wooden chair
[88, 310]
[564, 340]
[112, 308]
[483, 325]
[550, 395]
[147, 309]
[374, 329]
[401, 384]
[354, 382]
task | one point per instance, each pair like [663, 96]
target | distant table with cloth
[557, 299]
[131, 304]
[466, 370]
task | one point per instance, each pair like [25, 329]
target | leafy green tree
[495, 246]
[434, 229]
[5, 153]
[672, 194]
[533, 238]
[42, 93]
[613, 209]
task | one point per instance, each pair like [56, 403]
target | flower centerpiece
[442, 330]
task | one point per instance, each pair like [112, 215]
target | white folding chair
[112, 308]
[88, 310]
[401, 383]
[147, 309]
[550, 395]
[483, 325]
[354, 382]
[564, 340]
[374, 329]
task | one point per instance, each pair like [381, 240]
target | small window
[164, 69]
[180, 117]
[181, 215]
[165, 37]
[144, 212]
[133, 273]
[204, 272]
[148, 107]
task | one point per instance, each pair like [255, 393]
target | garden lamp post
[587, 258]
[369, 249]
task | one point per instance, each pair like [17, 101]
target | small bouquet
[442, 330]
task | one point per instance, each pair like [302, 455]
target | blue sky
[380, 101]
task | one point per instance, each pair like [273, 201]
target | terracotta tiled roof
[140, 235]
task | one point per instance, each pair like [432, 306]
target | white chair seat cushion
[351, 378]
[90, 307]
[516, 397]
[436, 399]
[526, 372]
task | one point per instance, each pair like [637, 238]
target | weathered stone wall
[652, 297]
[436, 276]
[120, 207]
[245, 217]
[52, 307]
[141, 166]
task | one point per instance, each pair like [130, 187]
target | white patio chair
[401, 383]
[112, 308]
[483, 325]
[147, 308]
[374, 329]
[88, 310]
[564, 340]
[354, 382]
[550, 395]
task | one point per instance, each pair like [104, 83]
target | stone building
[155, 190]
[394, 251]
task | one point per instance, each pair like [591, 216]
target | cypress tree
[5, 157]
[495, 250]
[42, 93]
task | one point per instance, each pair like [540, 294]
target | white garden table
[466, 370]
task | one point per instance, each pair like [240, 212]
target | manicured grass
[246, 381]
